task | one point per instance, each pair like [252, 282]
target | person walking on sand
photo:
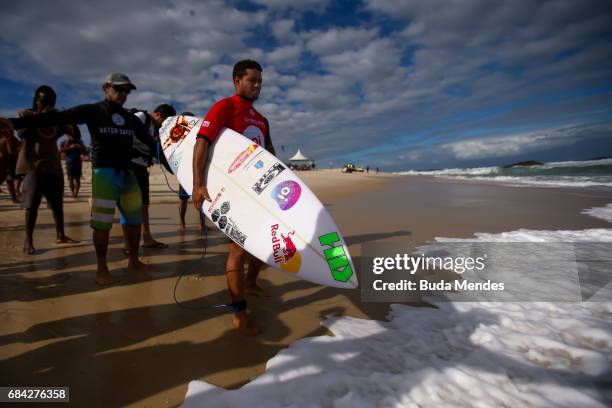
[112, 130]
[73, 148]
[143, 158]
[237, 113]
[9, 151]
[39, 162]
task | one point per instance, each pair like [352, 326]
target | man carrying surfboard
[236, 113]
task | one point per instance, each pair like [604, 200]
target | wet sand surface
[130, 344]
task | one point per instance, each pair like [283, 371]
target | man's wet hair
[76, 132]
[240, 69]
[165, 110]
[187, 113]
[46, 89]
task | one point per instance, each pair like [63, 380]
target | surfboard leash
[181, 273]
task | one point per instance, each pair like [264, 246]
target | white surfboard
[261, 204]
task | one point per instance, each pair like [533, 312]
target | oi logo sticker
[286, 194]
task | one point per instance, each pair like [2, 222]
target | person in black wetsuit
[143, 158]
[112, 130]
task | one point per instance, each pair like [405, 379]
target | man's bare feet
[151, 243]
[241, 322]
[254, 290]
[65, 240]
[182, 226]
[104, 278]
[28, 248]
[138, 269]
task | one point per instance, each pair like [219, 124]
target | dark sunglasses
[122, 89]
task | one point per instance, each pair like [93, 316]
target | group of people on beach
[123, 144]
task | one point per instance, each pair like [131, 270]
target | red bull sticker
[242, 156]
[285, 252]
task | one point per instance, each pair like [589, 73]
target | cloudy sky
[389, 83]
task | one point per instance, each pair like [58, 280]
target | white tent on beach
[301, 162]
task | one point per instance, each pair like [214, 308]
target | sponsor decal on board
[265, 180]
[285, 252]
[242, 156]
[286, 194]
[336, 258]
[214, 200]
[178, 131]
[175, 161]
[220, 216]
[253, 160]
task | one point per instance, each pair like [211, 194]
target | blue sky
[394, 84]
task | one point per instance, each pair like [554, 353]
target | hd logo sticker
[337, 260]
[220, 217]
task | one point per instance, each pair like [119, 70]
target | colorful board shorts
[113, 187]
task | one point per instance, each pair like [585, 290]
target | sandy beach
[130, 344]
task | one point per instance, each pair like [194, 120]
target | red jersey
[237, 114]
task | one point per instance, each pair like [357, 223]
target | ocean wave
[590, 173]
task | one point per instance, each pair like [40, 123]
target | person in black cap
[112, 130]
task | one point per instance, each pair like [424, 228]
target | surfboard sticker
[215, 200]
[256, 161]
[178, 132]
[242, 156]
[220, 216]
[262, 205]
[286, 194]
[337, 260]
[285, 253]
[265, 180]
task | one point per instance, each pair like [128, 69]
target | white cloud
[84, 43]
[284, 30]
[287, 56]
[515, 144]
[301, 5]
[324, 43]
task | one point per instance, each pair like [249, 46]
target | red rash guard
[238, 114]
